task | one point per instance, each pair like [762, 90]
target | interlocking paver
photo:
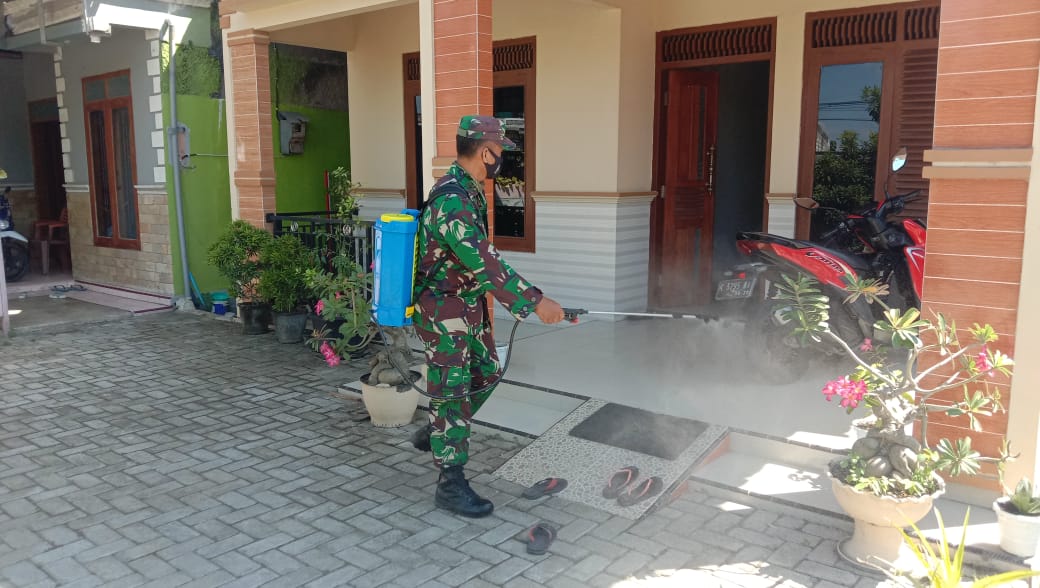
[133, 454]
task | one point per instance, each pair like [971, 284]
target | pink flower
[851, 391]
[318, 306]
[867, 345]
[983, 364]
[339, 295]
[331, 357]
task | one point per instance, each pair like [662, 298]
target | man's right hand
[549, 311]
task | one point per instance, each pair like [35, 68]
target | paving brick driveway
[171, 451]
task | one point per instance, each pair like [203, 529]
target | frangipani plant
[898, 390]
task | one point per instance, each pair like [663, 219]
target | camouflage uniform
[452, 315]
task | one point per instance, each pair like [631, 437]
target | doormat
[587, 465]
[642, 431]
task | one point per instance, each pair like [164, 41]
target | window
[108, 114]
[512, 201]
[869, 90]
[514, 106]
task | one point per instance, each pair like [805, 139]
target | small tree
[236, 255]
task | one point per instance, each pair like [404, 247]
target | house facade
[88, 137]
[654, 129]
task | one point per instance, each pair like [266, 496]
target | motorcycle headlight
[4, 224]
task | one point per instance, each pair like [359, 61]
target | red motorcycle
[891, 250]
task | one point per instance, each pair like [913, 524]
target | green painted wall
[300, 183]
[205, 188]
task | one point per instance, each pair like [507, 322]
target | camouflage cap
[487, 128]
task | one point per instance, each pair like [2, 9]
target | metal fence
[323, 232]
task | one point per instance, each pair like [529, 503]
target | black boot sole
[462, 513]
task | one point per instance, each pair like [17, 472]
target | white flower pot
[1019, 534]
[390, 406]
[877, 539]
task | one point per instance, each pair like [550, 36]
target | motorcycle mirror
[808, 203]
[899, 160]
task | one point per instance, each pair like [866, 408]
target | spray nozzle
[571, 314]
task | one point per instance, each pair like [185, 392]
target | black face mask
[493, 168]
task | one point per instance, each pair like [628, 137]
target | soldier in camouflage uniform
[452, 315]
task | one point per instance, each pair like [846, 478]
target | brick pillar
[463, 69]
[254, 139]
[980, 171]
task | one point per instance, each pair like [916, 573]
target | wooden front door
[691, 136]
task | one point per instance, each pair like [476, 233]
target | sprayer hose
[404, 373]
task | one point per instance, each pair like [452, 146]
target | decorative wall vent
[691, 45]
[921, 23]
[412, 69]
[514, 56]
[855, 29]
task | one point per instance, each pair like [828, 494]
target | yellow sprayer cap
[397, 218]
[408, 312]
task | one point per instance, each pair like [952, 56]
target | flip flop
[539, 538]
[546, 487]
[59, 289]
[619, 481]
[646, 489]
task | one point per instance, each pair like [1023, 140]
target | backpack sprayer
[395, 266]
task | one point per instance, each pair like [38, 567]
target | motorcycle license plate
[735, 289]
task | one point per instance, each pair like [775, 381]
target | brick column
[463, 65]
[980, 172]
[254, 140]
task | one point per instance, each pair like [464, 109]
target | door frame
[890, 53]
[412, 90]
[38, 172]
[661, 67]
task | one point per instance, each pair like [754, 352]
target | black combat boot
[421, 438]
[454, 494]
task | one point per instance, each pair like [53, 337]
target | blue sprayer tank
[393, 271]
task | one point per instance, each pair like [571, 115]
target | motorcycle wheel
[777, 362]
[16, 261]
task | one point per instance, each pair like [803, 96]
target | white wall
[376, 80]
[577, 89]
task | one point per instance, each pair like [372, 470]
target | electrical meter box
[293, 131]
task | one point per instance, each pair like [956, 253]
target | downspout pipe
[174, 153]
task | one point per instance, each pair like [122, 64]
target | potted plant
[943, 571]
[343, 306]
[342, 324]
[890, 477]
[1018, 517]
[390, 398]
[282, 283]
[236, 255]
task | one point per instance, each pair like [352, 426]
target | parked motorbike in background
[890, 250]
[15, 246]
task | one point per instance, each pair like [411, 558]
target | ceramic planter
[877, 539]
[1019, 534]
[390, 406]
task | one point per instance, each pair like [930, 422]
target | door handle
[662, 192]
[711, 168]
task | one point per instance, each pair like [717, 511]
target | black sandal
[648, 488]
[617, 483]
[539, 538]
[546, 487]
